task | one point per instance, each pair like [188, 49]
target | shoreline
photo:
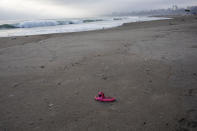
[89, 30]
[143, 24]
[68, 28]
[172, 17]
[36, 38]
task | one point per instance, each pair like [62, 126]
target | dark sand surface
[48, 82]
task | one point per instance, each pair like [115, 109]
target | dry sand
[48, 82]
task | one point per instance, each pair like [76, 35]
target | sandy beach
[48, 82]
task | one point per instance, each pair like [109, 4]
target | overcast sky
[22, 9]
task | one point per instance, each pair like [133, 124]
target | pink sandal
[101, 97]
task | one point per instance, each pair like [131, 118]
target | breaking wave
[7, 26]
[43, 23]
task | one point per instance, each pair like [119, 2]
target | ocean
[12, 28]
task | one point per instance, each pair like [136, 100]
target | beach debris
[42, 67]
[59, 83]
[104, 77]
[101, 97]
[16, 84]
[50, 105]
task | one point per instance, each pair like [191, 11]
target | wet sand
[48, 82]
